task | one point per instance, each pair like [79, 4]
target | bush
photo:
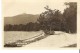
[12, 45]
[49, 32]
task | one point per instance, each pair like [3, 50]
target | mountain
[20, 19]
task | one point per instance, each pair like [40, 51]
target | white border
[27, 51]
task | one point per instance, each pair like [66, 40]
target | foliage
[51, 20]
[21, 27]
[70, 15]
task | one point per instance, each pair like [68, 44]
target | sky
[15, 7]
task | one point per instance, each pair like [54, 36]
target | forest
[51, 20]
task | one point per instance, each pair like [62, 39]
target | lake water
[12, 36]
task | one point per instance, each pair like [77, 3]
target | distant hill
[21, 19]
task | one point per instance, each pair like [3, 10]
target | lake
[12, 36]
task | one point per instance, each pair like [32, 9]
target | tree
[51, 19]
[70, 15]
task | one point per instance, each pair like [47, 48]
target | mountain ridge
[20, 19]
